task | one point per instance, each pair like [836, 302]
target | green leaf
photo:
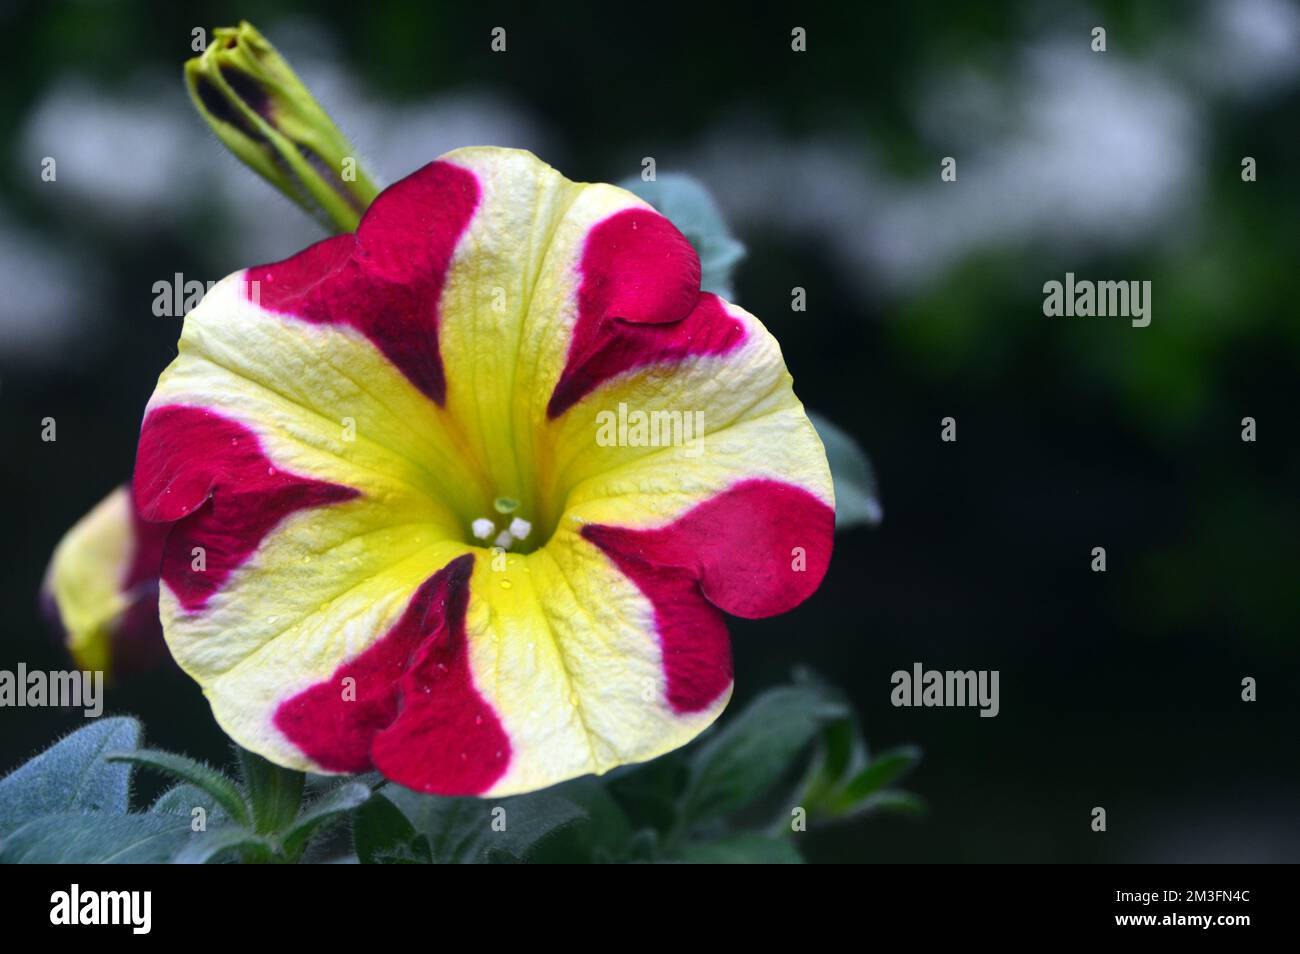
[96, 838]
[323, 811]
[841, 753]
[382, 835]
[203, 776]
[842, 749]
[218, 844]
[604, 836]
[649, 792]
[274, 792]
[71, 776]
[468, 830]
[894, 801]
[685, 202]
[183, 799]
[744, 849]
[857, 498]
[881, 771]
[754, 750]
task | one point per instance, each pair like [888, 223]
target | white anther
[520, 528]
[504, 539]
[482, 528]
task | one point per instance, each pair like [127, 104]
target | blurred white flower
[1070, 152]
[48, 297]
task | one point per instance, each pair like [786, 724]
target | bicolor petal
[497, 356]
[100, 591]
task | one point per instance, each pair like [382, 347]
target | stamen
[483, 528]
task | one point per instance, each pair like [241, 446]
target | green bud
[260, 109]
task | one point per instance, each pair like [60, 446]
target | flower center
[504, 528]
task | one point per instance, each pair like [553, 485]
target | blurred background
[1121, 689]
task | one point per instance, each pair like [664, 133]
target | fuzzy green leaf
[750, 753]
[96, 838]
[325, 810]
[468, 830]
[857, 497]
[275, 793]
[183, 799]
[215, 783]
[71, 776]
[604, 835]
[382, 835]
[219, 844]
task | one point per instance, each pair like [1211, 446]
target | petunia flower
[471, 489]
[100, 591]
